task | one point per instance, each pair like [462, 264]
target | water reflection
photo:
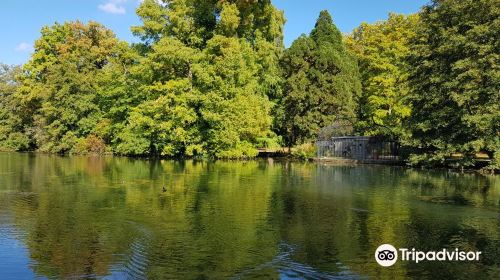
[88, 217]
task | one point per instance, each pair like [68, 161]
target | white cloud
[113, 7]
[24, 47]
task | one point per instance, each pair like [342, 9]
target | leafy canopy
[209, 76]
[381, 50]
[59, 87]
[454, 80]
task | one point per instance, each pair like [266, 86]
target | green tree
[381, 49]
[11, 136]
[454, 80]
[203, 82]
[207, 76]
[322, 82]
[162, 120]
[234, 113]
[117, 89]
[194, 22]
[60, 84]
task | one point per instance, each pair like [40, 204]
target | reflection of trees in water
[329, 212]
[101, 216]
[426, 232]
[366, 206]
[206, 223]
[466, 189]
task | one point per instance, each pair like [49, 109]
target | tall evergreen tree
[455, 82]
[322, 82]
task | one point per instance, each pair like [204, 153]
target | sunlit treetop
[194, 22]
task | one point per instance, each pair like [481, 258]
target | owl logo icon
[386, 255]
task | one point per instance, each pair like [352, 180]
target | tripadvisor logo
[387, 255]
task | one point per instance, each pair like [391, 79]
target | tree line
[214, 79]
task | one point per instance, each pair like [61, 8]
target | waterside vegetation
[214, 79]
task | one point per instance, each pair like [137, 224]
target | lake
[122, 218]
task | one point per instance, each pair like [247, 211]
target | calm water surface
[108, 218]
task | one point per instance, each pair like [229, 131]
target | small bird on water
[164, 189]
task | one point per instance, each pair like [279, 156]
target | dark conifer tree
[322, 82]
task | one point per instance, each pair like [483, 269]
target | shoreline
[283, 158]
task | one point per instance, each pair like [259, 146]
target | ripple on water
[290, 269]
[134, 264]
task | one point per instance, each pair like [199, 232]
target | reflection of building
[361, 148]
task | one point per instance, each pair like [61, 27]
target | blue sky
[21, 21]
